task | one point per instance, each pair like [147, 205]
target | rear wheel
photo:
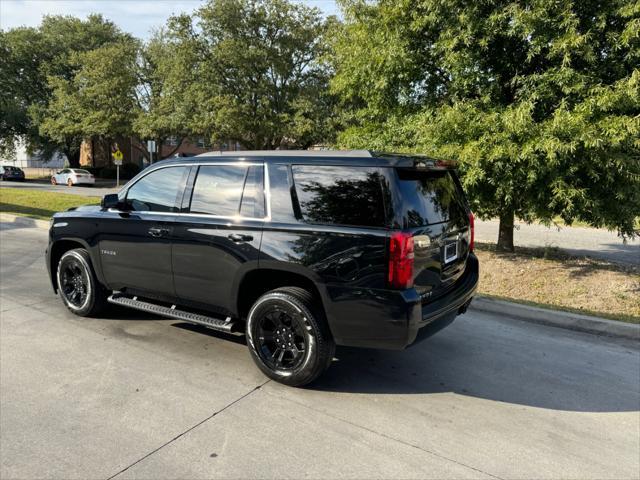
[78, 286]
[53, 181]
[288, 336]
[70, 183]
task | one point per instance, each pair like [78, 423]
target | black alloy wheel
[75, 283]
[80, 290]
[281, 341]
[288, 336]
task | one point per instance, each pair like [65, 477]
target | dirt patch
[548, 277]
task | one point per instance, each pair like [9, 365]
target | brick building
[94, 153]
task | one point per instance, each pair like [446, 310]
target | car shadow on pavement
[533, 367]
[508, 372]
[18, 222]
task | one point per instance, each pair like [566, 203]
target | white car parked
[73, 176]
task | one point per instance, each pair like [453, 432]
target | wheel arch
[258, 281]
[59, 248]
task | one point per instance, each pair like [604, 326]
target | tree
[29, 57]
[539, 101]
[167, 74]
[255, 72]
[99, 101]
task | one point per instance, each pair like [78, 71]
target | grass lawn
[552, 279]
[39, 204]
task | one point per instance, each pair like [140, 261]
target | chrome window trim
[266, 185]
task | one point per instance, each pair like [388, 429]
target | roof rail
[289, 153]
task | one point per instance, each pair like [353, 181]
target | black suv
[299, 250]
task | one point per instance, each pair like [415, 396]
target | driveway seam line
[384, 435]
[193, 427]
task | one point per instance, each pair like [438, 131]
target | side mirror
[110, 201]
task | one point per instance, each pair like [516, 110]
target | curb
[557, 318]
[22, 221]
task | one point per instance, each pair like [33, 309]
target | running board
[226, 325]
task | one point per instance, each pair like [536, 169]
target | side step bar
[226, 325]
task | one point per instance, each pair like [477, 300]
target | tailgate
[432, 206]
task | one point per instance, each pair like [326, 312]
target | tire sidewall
[87, 306]
[287, 302]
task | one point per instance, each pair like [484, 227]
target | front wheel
[288, 336]
[78, 286]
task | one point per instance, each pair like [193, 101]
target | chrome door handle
[238, 237]
[158, 232]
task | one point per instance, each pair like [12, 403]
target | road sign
[117, 157]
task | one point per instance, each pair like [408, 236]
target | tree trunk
[505, 232]
[74, 158]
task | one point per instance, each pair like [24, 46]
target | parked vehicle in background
[73, 176]
[10, 172]
[298, 250]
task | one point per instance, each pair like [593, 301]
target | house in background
[25, 159]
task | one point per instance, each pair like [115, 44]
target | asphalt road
[98, 190]
[133, 396]
[593, 242]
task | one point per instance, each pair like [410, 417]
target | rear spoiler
[432, 164]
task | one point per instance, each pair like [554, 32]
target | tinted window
[218, 190]
[252, 204]
[430, 197]
[158, 191]
[340, 195]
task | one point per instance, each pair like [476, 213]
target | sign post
[151, 147]
[117, 161]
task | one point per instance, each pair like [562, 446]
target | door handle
[238, 237]
[158, 232]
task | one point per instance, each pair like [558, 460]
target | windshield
[430, 197]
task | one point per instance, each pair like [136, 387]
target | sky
[138, 17]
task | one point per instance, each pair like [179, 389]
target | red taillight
[401, 260]
[472, 227]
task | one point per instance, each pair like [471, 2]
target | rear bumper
[394, 320]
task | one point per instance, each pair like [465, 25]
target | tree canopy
[539, 101]
[33, 62]
[251, 71]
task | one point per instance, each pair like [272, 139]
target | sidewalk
[581, 241]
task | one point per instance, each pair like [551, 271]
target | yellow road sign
[117, 155]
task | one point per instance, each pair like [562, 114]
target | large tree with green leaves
[100, 100]
[32, 61]
[539, 100]
[251, 71]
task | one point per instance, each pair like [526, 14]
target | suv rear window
[430, 197]
[340, 195]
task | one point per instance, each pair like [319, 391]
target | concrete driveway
[133, 396]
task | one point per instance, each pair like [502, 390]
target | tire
[74, 274]
[53, 181]
[288, 317]
[69, 183]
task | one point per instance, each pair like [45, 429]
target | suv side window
[253, 201]
[158, 191]
[218, 190]
[341, 195]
